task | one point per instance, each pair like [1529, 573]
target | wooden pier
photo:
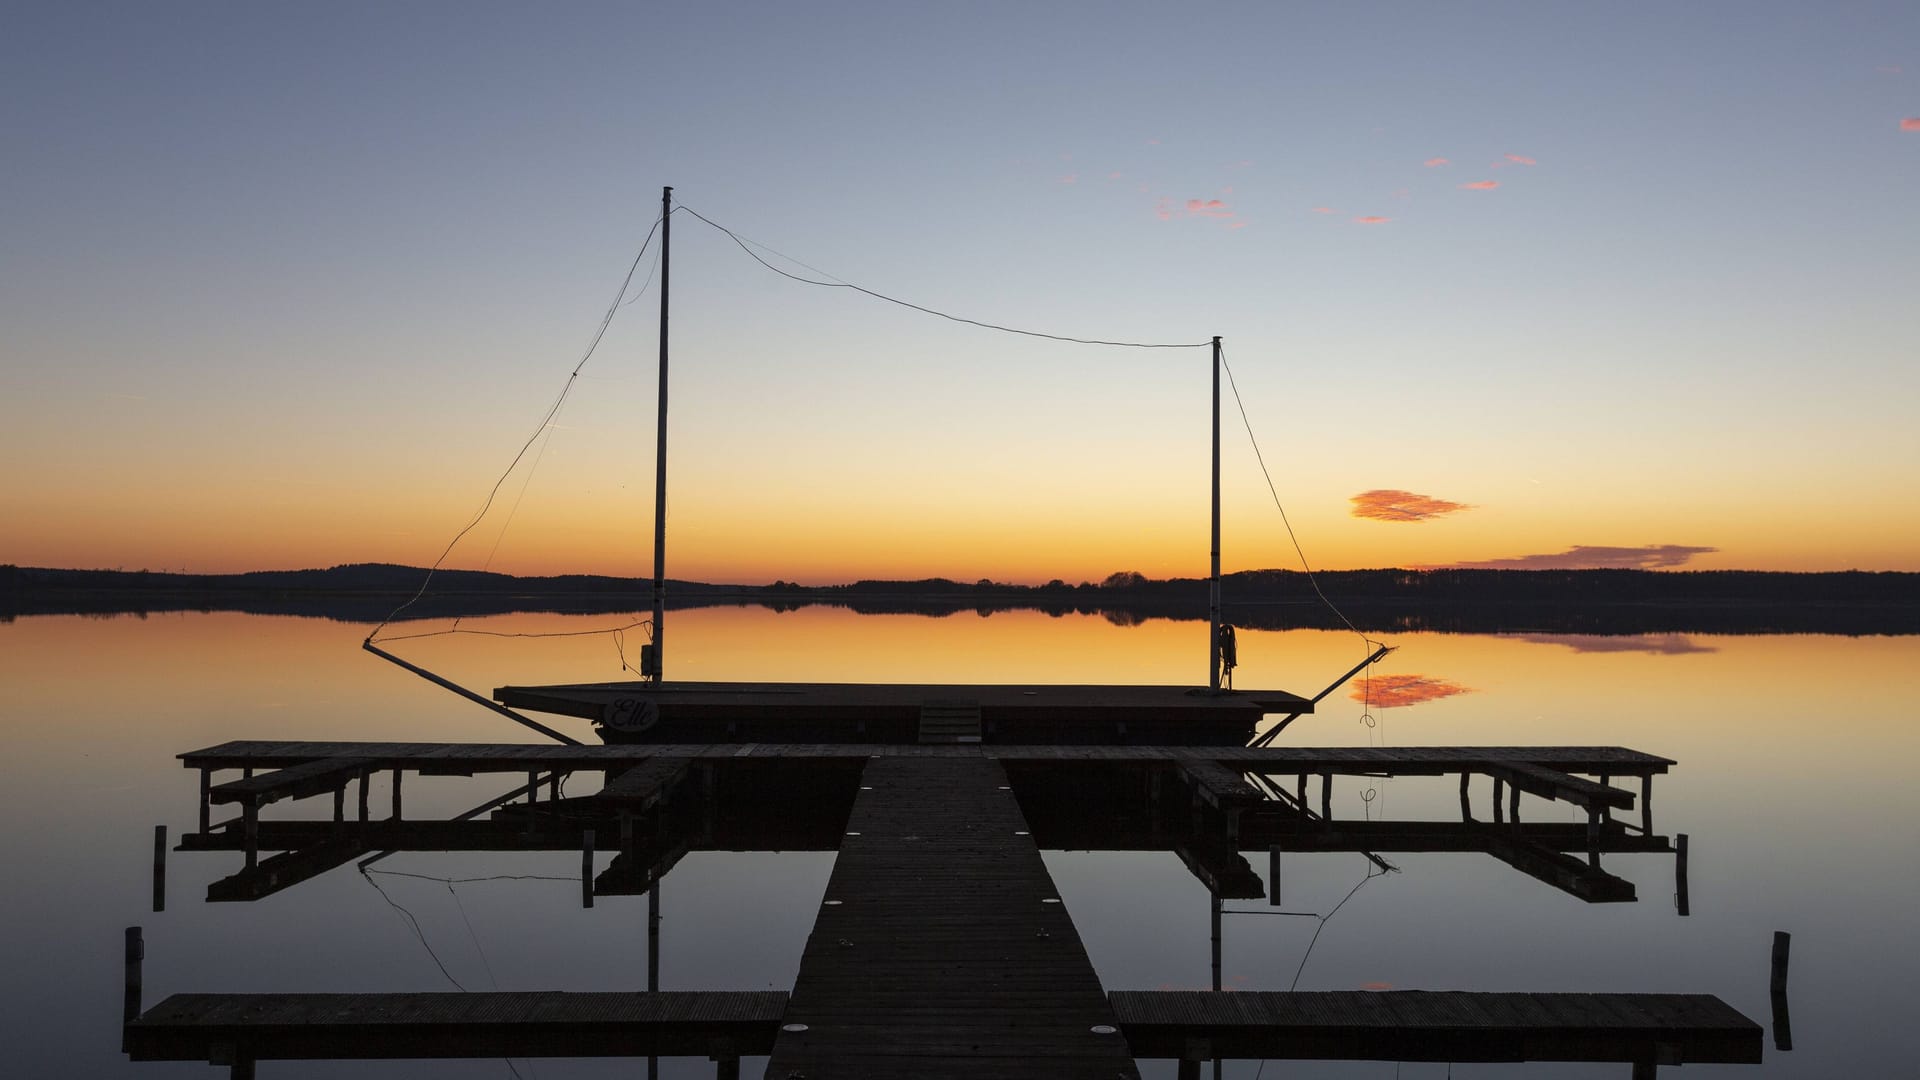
[244, 1028]
[1647, 1030]
[941, 948]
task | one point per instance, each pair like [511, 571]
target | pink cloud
[1436, 162]
[1520, 160]
[1153, 142]
[1236, 225]
[1163, 209]
[1325, 210]
[1208, 208]
[1389, 504]
[1371, 219]
[1911, 123]
[1393, 691]
[1070, 178]
[1587, 557]
[1482, 185]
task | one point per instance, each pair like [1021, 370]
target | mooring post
[1680, 874]
[1782, 1022]
[653, 931]
[1216, 939]
[586, 868]
[1273, 875]
[159, 868]
[130, 1004]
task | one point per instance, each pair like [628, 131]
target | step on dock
[941, 948]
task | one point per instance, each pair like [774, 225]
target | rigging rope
[552, 411]
[837, 283]
[1366, 716]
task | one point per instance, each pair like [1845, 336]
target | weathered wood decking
[1421, 1025]
[262, 1027]
[941, 948]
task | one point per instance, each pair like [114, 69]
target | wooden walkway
[241, 1028]
[941, 948]
[1420, 1025]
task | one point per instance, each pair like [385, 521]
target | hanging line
[837, 283]
[552, 411]
[1369, 643]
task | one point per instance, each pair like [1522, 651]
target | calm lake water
[1791, 784]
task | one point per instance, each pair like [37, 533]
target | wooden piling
[586, 869]
[1680, 875]
[1273, 875]
[130, 1003]
[1782, 945]
[159, 868]
[396, 794]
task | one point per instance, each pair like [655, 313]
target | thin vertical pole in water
[1213, 589]
[159, 868]
[1680, 874]
[658, 672]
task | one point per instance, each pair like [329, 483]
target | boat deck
[906, 712]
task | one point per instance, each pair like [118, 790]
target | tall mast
[1213, 590]
[656, 672]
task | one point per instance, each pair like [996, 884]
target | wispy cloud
[1590, 557]
[1520, 159]
[1436, 162]
[1208, 208]
[1482, 185]
[1392, 504]
[1394, 691]
[1651, 644]
[1911, 123]
[1371, 219]
[1325, 210]
[1070, 178]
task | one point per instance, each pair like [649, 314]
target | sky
[1527, 284]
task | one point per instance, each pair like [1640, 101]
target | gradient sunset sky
[1501, 284]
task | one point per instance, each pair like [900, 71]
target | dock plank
[1425, 1025]
[198, 1027]
[936, 952]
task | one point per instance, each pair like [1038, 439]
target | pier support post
[206, 799]
[1216, 940]
[1499, 800]
[1273, 875]
[1466, 805]
[366, 781]
[1326, 798]
[1646, 805]
[396, 793]
[340, 803]
[653, 931]
[130, 1003]
[159, 868]
[1680, 875]
[586, 868]
[250, 829]
[1513, 804]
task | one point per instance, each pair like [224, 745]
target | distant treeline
[1477, 601]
